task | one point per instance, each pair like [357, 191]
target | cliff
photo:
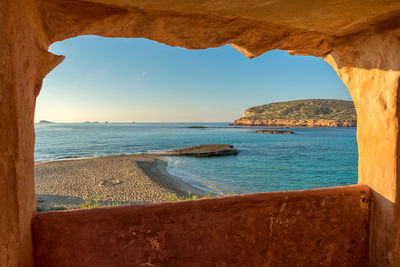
[302, 113]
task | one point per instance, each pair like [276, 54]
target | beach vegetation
[189, 196]
[96, 203]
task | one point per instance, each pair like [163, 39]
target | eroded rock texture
[359, 38]
[301, 113]
[370, 68]
[322, 227]
[294, 123]
[209, 150]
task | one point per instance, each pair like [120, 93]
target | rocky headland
[301, 113]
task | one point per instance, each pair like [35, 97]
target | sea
[310, 158]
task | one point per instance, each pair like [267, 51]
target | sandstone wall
[24, 62]
[370, 68]
[323, 227]
[359, 38]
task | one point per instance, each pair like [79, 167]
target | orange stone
[360, 39]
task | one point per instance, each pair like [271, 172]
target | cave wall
[24, 62]
[360, 39]
[370, 68]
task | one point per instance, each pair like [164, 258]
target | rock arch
[360, 39]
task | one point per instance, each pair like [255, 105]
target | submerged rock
[196, 127]
[209, 150]
[274, 132]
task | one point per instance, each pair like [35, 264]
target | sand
[128, 179]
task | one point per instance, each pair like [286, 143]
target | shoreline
[127, 179]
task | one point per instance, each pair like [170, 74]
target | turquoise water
[311, 158]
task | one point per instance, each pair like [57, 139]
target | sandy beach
[129, 179]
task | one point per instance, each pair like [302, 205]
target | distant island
[44, 121]
[301, 113]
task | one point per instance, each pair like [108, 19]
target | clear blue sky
[124, 80]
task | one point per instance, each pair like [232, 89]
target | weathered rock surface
[301, 113]
[246, 230]
[274, 132]
[294, 123]
[203, 151]
[360, 39]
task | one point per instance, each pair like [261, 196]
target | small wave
[68, 157]
[215, 189]
[151, 151]
[174, 162]
[175, 169]
[177, 163]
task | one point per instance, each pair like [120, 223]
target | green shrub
[188, 196]
[95, 203]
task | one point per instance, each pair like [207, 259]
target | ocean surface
[310, 158]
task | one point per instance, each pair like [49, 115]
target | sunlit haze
[124, 80]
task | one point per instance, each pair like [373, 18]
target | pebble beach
[126, 179]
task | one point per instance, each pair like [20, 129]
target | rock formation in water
[196, 127]
[209, 150]
[274, 132]
[302, 113]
